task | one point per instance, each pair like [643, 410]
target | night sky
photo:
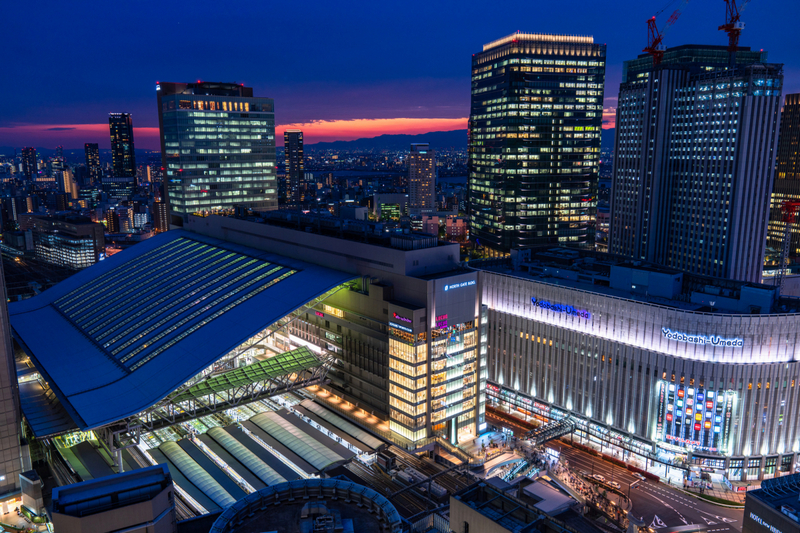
[338, 70]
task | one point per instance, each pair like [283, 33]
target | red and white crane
[655, 36]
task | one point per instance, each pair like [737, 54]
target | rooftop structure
[775, 507]
[309, 505]
[128, 331]
[487, 509]
[141, 500]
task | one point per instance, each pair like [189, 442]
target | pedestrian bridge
[552, 430]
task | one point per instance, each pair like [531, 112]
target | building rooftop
[515, 514]
[539, 37]
[118, 490]
[620, 277]
[779, 492]
[368, 232]
[124, 333]
[300, 505]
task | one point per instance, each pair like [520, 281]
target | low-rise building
[141, 500]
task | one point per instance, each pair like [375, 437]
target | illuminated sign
[714, 340]
[441, 321]
[401, 328]
[459, 285]
[402, 318]
[561, 308]
[758, 520]
[319, 314]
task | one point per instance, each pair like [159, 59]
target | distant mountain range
[437, 139]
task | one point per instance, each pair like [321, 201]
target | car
[640, 476]
[598, 477]
[586, 474]
[614, 484]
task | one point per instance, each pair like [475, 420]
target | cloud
[60, 129]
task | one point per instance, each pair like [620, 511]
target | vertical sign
[728, 419]
[660, 426]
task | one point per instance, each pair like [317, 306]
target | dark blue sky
[67, 64]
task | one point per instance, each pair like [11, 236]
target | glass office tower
[92, 153]
[694, 156]
[534, 141]
[293, 150]
[123, 156]
[787, 178]
[217, 148]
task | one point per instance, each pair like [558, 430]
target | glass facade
[293, 151]
[693, 160]
[218, 148]
[123, 157]
[534, 140]
[787, 179]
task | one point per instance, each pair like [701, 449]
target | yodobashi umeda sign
[713, 340]
[561, 308]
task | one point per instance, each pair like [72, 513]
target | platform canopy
[119, 336]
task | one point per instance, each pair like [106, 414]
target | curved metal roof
[117, 337]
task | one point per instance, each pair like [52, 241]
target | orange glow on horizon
[347, 130]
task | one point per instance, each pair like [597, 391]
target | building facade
[160, 216]
[406, 334]
[65, 240]
[217, 148]
[29, 164]
[422, 179]
[694, 151]
[92, 153]
[651, 362]
[11, 465]
[142, 500]
[123, 157]
[294, 174]
[534, 140]
[787, 176]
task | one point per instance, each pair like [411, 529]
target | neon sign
[402, 318]
[459, 285]
[561, 308]
[401, 328]
[441, 321]
[714, 340]
[319, 314]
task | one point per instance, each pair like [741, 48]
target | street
[660, 505]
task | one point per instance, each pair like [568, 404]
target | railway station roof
[117, 337]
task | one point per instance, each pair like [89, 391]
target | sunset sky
[337, 70]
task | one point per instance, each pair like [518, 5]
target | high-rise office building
[534, 140]
[160, 216]
[217, 147]
[92, 152]
[29, 168]
[122, 154]
[293, 151]
[693, 162]
[422, 179]
[787, 176]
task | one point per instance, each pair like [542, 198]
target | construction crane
[788, 217]
[733, 26]
[654, 36]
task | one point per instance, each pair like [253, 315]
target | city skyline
[327, 94]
